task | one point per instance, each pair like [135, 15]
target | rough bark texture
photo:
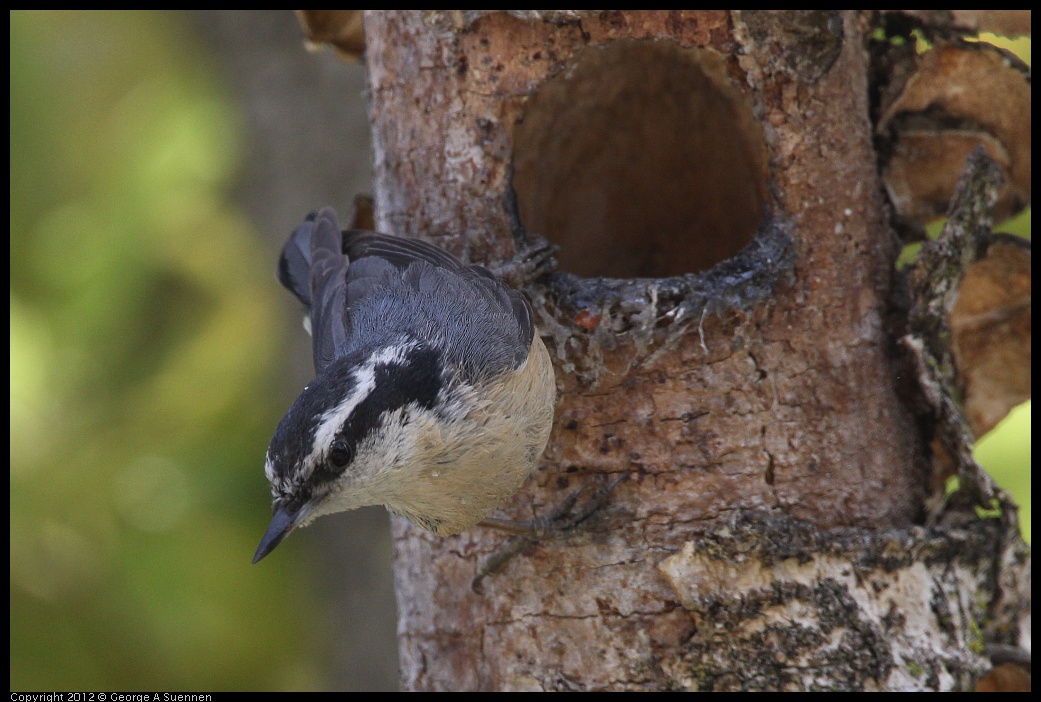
[764, 384]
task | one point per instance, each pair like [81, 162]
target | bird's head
[348, 432]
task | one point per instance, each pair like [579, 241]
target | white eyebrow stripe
[334, 419]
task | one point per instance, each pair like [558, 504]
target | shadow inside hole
[644, 161]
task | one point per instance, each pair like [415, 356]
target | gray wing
[314, 269]
[366, 290]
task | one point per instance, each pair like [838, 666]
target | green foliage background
[142, 363]
[143, 376]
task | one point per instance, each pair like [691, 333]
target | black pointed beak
[281, 524]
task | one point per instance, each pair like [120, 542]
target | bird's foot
[563, 521]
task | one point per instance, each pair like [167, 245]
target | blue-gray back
[367, 291]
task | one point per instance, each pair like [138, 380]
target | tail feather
[294, 265]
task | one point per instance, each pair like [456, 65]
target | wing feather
[365, 289]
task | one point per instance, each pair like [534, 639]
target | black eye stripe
[416, 380]
[295, 435]
[413, 380]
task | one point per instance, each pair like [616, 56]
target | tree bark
[720, 326]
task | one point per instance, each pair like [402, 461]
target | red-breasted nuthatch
[433, 393]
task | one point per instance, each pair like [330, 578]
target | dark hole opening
[645, 160]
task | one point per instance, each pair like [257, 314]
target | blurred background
[158, 161]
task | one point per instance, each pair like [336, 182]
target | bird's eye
[340, 454]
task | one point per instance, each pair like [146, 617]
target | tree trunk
[720, 326]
